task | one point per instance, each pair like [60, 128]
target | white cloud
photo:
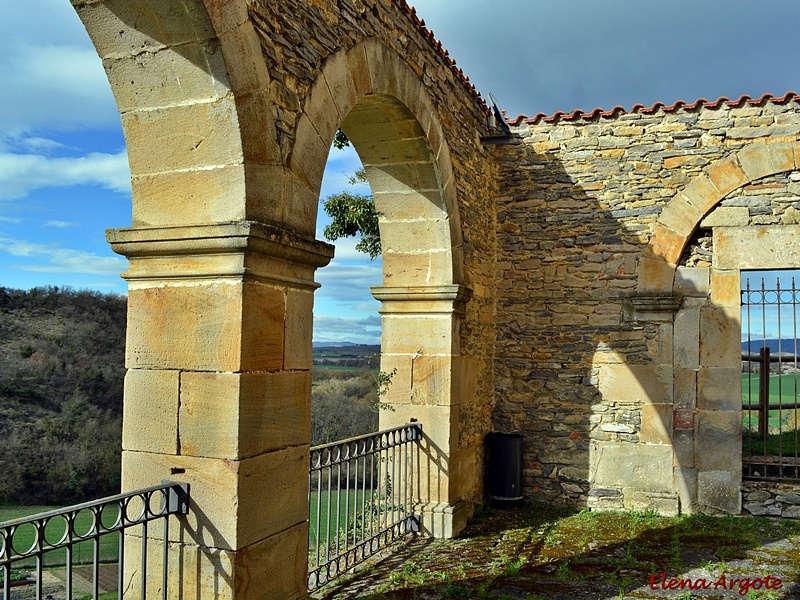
[348, 282]
[340, 329]
[59, 224]
[61, 260]
[22, 173]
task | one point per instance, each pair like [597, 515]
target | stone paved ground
[535, 554]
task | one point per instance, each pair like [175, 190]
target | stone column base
[442, 520]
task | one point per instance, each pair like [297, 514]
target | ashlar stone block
[273, 568]
[206, 327]
[655, 275]
[719, 492]
[644, 384]
[686, 346]
[720, 337]
[187, 197]
[719, 388]
[726, 288]
[727, 216]
[692, 281]
[150, 411]
[233, 503]
[183, 137]
[645, 467]
[239, 415]
[685, 388]
[656, 424]
[718, 440]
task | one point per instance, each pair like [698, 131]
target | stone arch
[701, 309]
[191, 116]
[222, 261]
[383, 107]
[385, 110]
[681, 216]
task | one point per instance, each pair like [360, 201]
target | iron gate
[770, 403]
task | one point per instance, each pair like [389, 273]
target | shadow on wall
[586, 369]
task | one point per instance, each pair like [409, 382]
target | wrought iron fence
[770, 365]
[25, 542]
[361, 499]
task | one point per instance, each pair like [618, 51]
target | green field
[782, 424]
[81, 553]
[355, 500]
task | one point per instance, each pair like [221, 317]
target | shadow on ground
[538, 553]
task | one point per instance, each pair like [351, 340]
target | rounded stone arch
[386, 111]
[191, 88]
[680, 217]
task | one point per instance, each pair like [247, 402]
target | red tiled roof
[437, 45]
[640, 108]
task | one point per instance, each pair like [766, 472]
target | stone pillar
[420, 339]
[218, 395]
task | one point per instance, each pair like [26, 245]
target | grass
[781, 438]
[82, 552]
[537, 550]
[348, 503]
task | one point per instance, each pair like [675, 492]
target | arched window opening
[347, 326]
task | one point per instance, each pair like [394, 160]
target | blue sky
[64, 177]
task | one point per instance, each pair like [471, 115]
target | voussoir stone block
[727, 175]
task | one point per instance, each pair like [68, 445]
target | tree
[354, 215]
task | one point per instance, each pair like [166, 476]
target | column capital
[422, 299]
[237, 250]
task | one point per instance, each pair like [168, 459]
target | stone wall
[771, 499]
[612, 360]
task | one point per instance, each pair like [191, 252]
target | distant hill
[62, 366]
[785, 345]
[340, 345]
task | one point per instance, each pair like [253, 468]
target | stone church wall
[617, 405]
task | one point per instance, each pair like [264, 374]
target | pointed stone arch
[681, 216]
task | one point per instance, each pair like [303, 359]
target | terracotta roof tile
[648, 110]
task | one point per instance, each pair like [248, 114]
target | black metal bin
[504, 468]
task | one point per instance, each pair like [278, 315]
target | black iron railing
[26, 542]
[361, 499]
[770, 384]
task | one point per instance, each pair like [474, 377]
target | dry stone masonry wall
[621, 401]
